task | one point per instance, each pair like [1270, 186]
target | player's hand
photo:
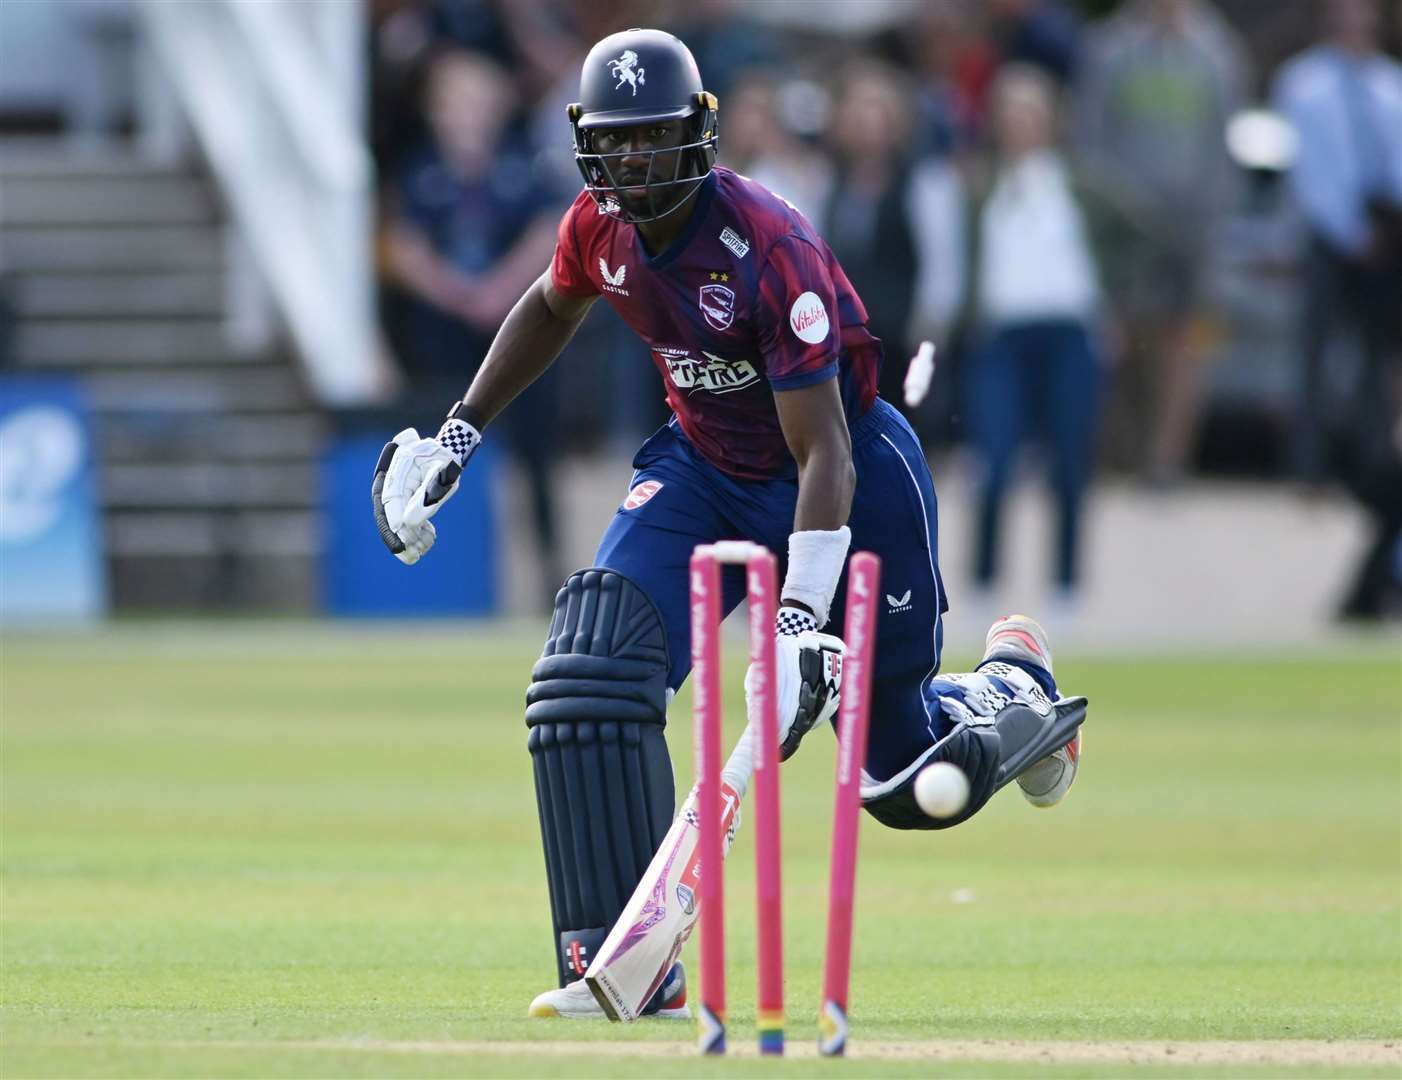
[413, 478]
[808, 677]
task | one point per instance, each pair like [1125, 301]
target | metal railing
[273, 91]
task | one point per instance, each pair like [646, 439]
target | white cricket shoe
[572, 1002]
[1020, 638]
[576, 1002]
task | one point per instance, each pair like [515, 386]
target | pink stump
[863, 589]
[761, 581]
[705, 673]
[763, 594]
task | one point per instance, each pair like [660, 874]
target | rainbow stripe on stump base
[771, 1032]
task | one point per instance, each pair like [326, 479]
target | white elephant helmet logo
[625, 69]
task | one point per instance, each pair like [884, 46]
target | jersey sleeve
[567, 267]
[795, 316]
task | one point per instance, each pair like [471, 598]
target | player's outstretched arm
[808, 663]
[531, 337]
[415, 476]
[815, 428]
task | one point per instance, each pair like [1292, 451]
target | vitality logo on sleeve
[808, 318]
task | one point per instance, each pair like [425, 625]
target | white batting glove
[808, 677]
[413, 478]
[408, 544]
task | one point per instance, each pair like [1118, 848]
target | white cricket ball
[942, 789]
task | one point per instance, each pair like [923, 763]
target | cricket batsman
[777, 436]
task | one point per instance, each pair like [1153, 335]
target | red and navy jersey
[747, 300]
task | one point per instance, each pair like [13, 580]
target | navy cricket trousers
[678, 500]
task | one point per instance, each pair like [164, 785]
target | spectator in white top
[1344, 99]
[1033, 310]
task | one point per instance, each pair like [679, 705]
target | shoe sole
[682, 1013]
[549, 1012]
[1068, 757]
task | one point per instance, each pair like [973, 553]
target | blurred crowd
[1082, 205]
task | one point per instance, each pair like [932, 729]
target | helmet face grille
[693, 163]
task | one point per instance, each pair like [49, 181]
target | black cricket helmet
[638, 77]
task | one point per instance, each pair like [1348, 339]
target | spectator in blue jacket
[1344, 99]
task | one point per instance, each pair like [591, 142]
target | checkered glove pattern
[460, 439]
[792, 621]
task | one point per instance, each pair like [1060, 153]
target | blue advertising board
[51, 554]
[360, 577]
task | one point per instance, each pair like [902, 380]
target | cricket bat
[648, 937]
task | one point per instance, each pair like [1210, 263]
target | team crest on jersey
[714, 374]
[625, 69]
[718, 306]
[641, 493]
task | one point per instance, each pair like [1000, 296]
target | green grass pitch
[305, 850]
